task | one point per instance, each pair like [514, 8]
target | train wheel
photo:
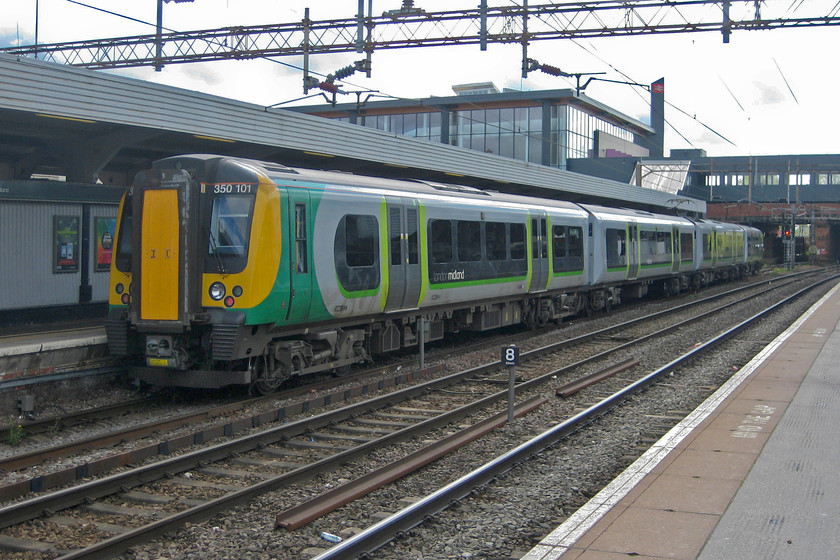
[342, 370]
[531, 319]
[267, 386]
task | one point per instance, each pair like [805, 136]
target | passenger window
[517, 242]
[440, 239]
[496, 239]
[567, 248]
[559, 241]
[360, 233]
[469, 241]
[576, 242]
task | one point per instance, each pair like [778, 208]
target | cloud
[202, 73]
[768, 94]
[13, 38]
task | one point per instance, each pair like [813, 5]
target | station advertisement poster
[104, 243]
[66, 243]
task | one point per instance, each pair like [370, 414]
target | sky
[763, 93]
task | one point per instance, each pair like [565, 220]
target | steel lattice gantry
[416, 28]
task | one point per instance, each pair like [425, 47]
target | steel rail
[36, 456]
[116, 545]
[305, 512]
[390, 528]
[579, 384]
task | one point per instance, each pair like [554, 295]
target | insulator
[552, 70]
[328, 86]
[342, 73]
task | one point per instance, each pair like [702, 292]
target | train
[230, 271]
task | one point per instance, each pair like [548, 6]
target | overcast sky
[764, 93]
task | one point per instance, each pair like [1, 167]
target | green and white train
[232, 271]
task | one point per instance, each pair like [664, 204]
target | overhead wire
[500, 127]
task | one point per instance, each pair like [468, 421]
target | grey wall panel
[27, 275]
[26, 256]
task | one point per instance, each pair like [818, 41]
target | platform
[25, 357]
[752, 473]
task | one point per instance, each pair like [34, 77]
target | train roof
[410, 187]
[606, 212]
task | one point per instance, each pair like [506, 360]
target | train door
[633, 255]
[676, 255]
[404, 273]
[539, 252]
[299, 236]
[160, 252]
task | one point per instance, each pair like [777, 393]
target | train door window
[616, 247]
[496, 239]
[543, 239]
[469, 241]
[517, 242]
[440, 239]
[395, 234]
[539, 237]
[687, 247]
[300, 238]
[707, 247]
[412, 231]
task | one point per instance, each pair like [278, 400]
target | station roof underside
[51, 114]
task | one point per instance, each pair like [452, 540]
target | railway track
[235, 417]
[397, 527]
[235, 471]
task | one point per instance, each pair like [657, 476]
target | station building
[549, 127]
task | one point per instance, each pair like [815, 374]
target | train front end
[190, 270]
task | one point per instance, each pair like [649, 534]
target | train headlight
[119, 288]
[217, 291]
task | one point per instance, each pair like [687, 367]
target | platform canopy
[89, 125]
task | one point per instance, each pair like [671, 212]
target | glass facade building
[548, 128]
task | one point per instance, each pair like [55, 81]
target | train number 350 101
[232, 188]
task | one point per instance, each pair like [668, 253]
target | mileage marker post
[510, 358]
